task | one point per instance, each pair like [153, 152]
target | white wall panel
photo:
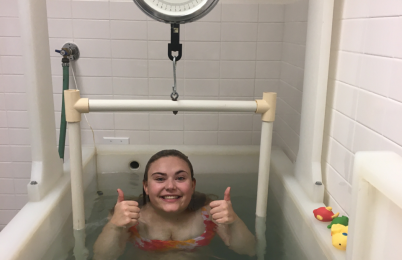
[365, 92]
[124, 56]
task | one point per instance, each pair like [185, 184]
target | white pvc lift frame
[75, 105]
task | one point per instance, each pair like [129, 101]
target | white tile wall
[20, 186]
[54, 26]
[392, 124]
[125, 11]
[270, 32]
[371, 110]
[353, 31]
[379, 39]
[10, 46]
[349, 67]
[338, 187]
[292, 33]
[240, 13]
[201, 87]
[236, 52]
[344, 99]
[366, 139]
[58, 9]
[395, 88]
[201, 137]
[239, 88]
[6, 170]
[4, 137]
[127, 30]
[13, 83]
[200, 70]
[21, 170]
[6, 186]
[89, 10]
[271, 13]
[197, 50]
[166, 137]
[9, 26]
[269, 50]
[12, 65]
[136, 137]
[235, 122]
[364, 109]
[234, 137]
[19, 136]
[343, 129]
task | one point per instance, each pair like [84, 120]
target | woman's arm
[237, 237]
[231, 228]
[112, 241]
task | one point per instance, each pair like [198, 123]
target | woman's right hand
[126, 212]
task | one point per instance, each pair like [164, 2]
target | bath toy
[339, 220]
[339, 236]
[324, 214]
[338, 228]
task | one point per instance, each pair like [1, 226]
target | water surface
[281, 244]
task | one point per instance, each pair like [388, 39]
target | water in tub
[280, 242]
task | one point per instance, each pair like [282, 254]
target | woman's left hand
[222, 211]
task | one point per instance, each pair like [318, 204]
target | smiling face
[169, 184]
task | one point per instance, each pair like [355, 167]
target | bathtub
[43, 230]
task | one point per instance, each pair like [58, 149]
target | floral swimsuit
[166, 245]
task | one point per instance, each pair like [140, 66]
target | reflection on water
[280, 243]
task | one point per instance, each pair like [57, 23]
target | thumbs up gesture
[126, 212]
[222, 211]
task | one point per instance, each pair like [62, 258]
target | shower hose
[63, 124]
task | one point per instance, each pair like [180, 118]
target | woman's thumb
[227, 194]
[120, 198]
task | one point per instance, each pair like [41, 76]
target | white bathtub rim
[283, 168]
[20, 230]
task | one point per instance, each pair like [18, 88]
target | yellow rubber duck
[339, 235]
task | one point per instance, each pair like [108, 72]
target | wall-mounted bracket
[70, 51]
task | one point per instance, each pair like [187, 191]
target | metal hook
[174, 96]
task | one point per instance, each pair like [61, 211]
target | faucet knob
[62, 52]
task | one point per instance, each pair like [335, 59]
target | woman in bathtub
[171, 218]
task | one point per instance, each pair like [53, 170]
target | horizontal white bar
[101, 105]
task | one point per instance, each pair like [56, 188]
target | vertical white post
[77, 186]
[73, 118]
[267, 107]
[260, 228]
[47, 167]
[318, 44]
[77, 190]
[263, 169]
[262, 188]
